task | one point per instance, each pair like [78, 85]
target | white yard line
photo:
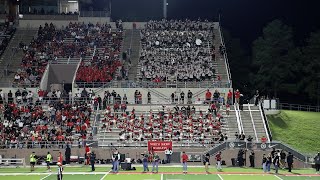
[45, 177]
[161, 176]
[105, 175]
[220, 176]
[278, 177]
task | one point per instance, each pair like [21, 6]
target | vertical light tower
[165, 4]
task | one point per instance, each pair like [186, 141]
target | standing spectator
[269, 161]
[155, 163]
[168, 153]
[184, 160]
[228, 110]
[189, 97]
[67, 154]
[283, 159]
[276, 161]
[256, 98]
[172, 98]
[216, 96]
[237, 96]
[290, 161]
[218, 158]
[317, 162]
[115, 160]
[149, 97]
[264, 163]
[229, 97]
[182, 97]
[251, 158]
[145, 162]
[92, 160]
[206, 163]
[208, 96]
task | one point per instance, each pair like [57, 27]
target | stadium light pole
[165, 4]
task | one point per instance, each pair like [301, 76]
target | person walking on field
[48, 161]
[155, 163]
[264, 163]
[290, 161]
[184, 160]
[60, 170]
[206, 163]
[32, 161]
[218, 158]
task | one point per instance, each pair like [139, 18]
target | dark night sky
[243, 18]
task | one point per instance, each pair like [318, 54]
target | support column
[165, 9]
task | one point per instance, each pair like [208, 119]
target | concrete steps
[12, 58]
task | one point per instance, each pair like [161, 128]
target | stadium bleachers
[177, 50]
[6, 32]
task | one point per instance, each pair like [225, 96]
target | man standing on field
[184, 160]
[218, 158]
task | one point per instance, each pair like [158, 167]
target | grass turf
[298, 129]
[139, 169]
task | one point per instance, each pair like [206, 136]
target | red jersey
[218, 157]
[208, 95]
[184, 158]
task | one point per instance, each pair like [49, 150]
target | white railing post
[238, 121]
[254, 127]
[264, 124]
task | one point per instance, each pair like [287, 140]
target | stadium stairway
[131, 40]
[248, 126]
[11, 58]
[232, 124]
[258, 121]
[219, 63]
[252, 121]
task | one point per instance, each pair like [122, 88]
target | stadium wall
[198, 93]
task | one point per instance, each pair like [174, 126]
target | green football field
[165, 173]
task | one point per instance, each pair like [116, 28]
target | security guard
[32, 161]
[92, 160]
[48, 161]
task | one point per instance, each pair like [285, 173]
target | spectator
[290, 161]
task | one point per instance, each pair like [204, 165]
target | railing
[298, 107]
[265, 123]
[254, 127]
[151, 84]
[47, 144]
[226, 58]
[94, 14]
[238, 118]
[65, 17]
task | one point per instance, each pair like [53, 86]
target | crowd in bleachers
[180, 49]
[105, 62]
[27, 124]
[87, 40]
[6, 32]
[176, 124]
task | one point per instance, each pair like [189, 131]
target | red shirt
[218, 157]
[208, 95]
[229, 94]
[237, 94]
[184, 158]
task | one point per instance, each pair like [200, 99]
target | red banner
[156, 146]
